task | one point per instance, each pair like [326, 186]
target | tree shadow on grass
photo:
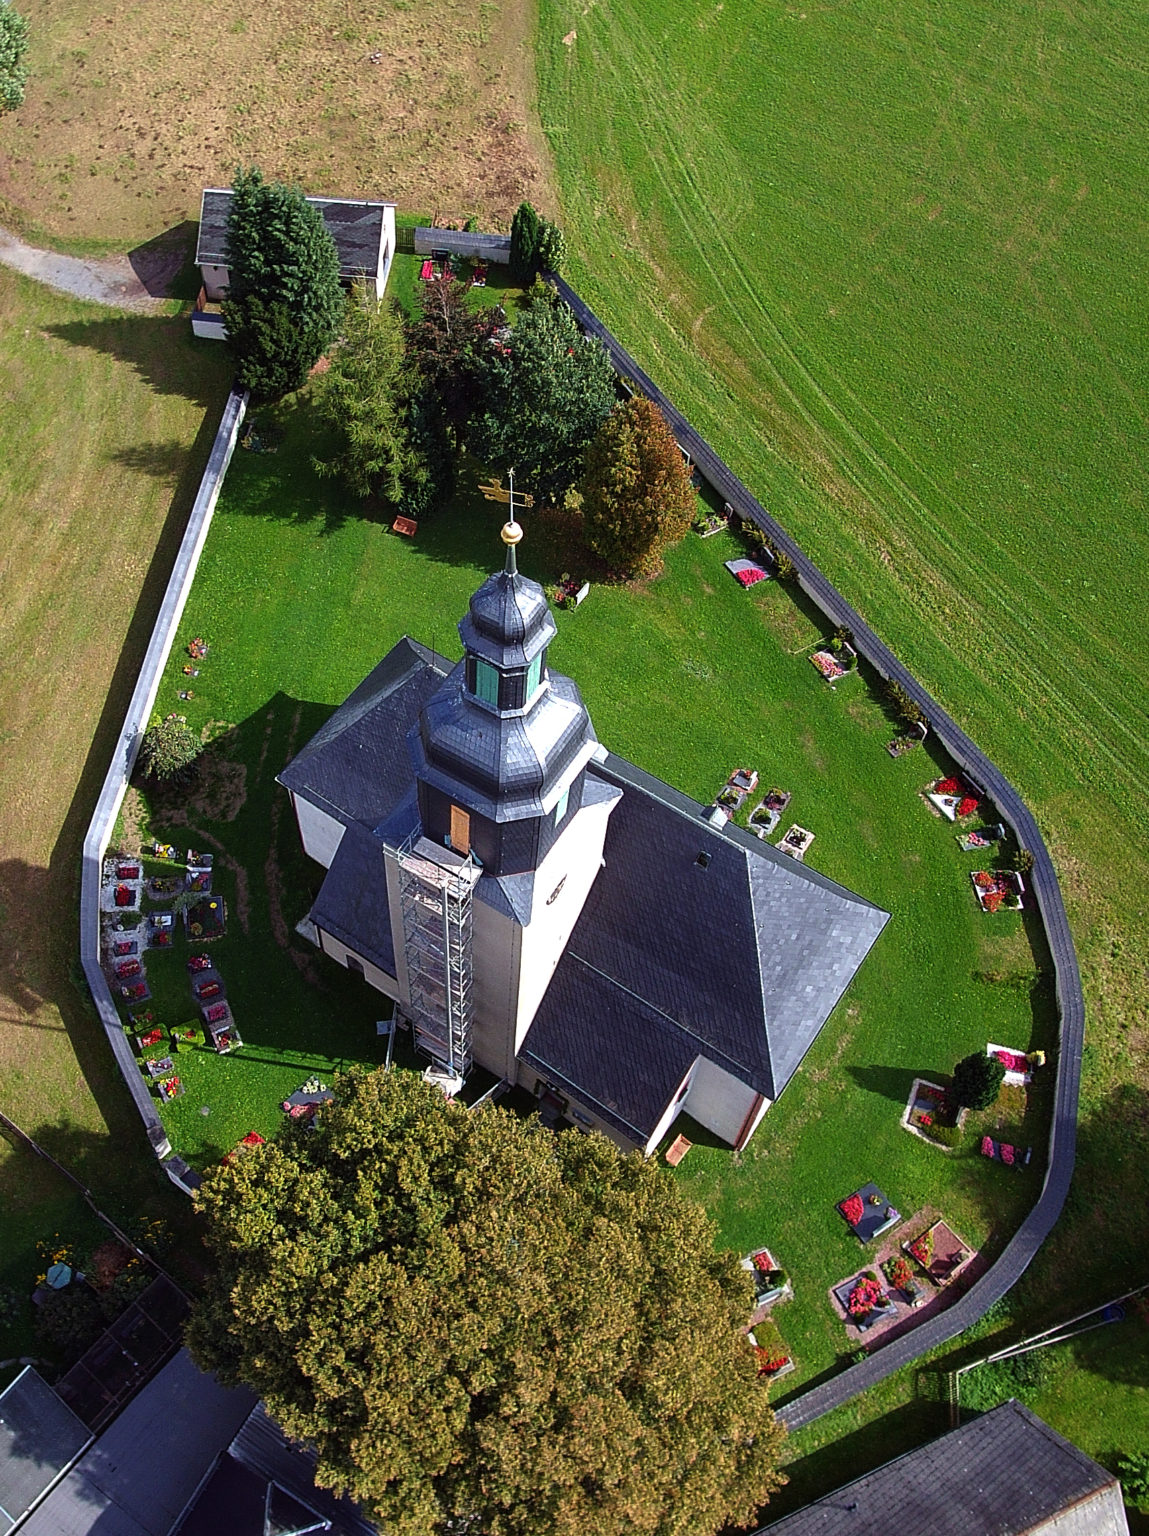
[892, 1082]
[162, 351]
[833, 1466]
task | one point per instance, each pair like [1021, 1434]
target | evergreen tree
[543, 397]
[481, 1326]
[13, 48]
[637, 494]
[525, 228]
[552, 248]
[977, 1080]
[363, 398]
[284, 303]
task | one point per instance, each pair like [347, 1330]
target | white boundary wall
[124, 758]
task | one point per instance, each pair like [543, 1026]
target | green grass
[886, 261]
[299, 594]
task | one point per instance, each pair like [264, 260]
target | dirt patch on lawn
[220, 789]
[418, 104]
[133, 819]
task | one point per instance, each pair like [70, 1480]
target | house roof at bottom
[1003, 1474]
[740, 958]
[357, 767]
[355, 226]
[139, 1475]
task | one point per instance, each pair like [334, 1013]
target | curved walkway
[111, 280]
[1042, 881]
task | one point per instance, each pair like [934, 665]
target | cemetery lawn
[107, 425]
[299, 593]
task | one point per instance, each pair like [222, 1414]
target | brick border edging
[124, 757]
[1039, 1221]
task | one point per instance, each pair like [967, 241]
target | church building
[540, 907]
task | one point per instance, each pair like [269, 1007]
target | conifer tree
[284, 303]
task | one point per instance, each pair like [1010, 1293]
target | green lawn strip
[299, 594]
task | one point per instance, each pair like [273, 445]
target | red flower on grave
[968, 805]
[852, 1209]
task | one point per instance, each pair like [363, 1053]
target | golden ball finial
[511, 533]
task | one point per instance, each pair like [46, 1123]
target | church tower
[511, 832]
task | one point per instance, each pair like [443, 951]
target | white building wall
[719, 1101]
[496, 949]
[339, 951]
[215, 281]
[320, 833]
[386, 251]
[673, 1109]
[575, 861]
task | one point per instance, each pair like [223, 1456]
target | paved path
[111, 280]
[1041, 883]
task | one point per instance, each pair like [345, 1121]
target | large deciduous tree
[445, 341]
[637, 493]
[542, 396]
[485, 1327]
[13, 48]
[284, 303]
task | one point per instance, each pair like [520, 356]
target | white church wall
[496, 940]
[320, 833]
[562, 884]
[671, 1112]
[720, 1102]
[339, 951]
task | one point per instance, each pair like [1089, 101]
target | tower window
[561, 807]
[534, 675]
[460, 830]
[486, 682]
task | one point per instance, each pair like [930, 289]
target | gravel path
[120, 281]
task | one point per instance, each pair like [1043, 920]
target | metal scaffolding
[435, 890]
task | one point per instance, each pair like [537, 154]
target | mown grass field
[887, 262]
[107, 422]
[129, 115]
[299, 593]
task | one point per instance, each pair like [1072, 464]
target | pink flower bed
[852, 1209]
[1012, 1061]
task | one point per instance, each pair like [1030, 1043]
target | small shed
[470, 245]
[364, 235]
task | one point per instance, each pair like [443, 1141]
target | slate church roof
[739, 958]
[740, 961]
[1003, 1474]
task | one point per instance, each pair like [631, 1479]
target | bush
[1020, 1377]
[977, 1080]
[552, 248]
[637, 494]
[526, 227]
[169, 751]
[68, 1321]
[13, 47]
[1133, 1470]
[944, 1135]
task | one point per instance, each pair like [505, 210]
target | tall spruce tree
[481, 1326]
[637, 493]
[284, 303]
[542, 397]
[526, 226]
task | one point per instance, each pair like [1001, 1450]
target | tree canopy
[445, 340]
[385, 419]
[13, 48]
[542, 397]
[284, 303]
[168, 751]
[637, 493]
[977, 1080]
[483, 1326]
